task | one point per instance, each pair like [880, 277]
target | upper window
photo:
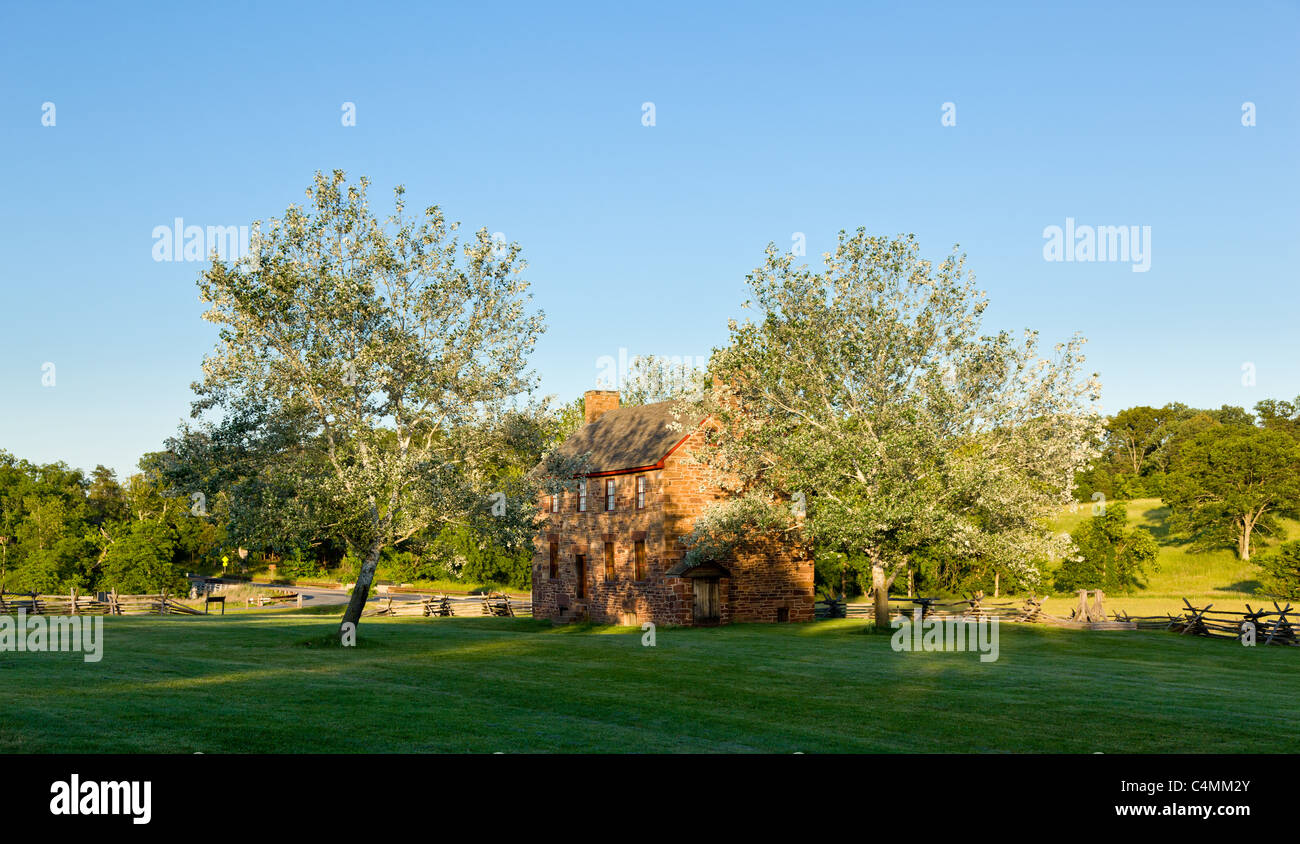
[609, 495]
[555, 503]
[640, 492]
[582, 495]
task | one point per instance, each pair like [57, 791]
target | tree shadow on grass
[1155, 521]
[1250, 587]
[332, 641]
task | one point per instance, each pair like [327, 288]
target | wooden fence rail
[111, 604]
[274, 598]
[495, 604]
[975, 607]
[1275, 627]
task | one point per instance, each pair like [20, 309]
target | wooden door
[580, 569]
[708, 602]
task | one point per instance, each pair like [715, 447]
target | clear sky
[770, 119]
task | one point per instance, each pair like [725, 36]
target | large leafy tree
[1280, 415]
[141, 558]
[653, 378]
[1136, 433]
[1229, 481]
[865, 397]
[256, 469]
[399, 342]
[43, 523]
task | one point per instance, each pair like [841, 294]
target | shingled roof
[628, 438]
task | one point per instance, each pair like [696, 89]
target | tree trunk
[361, 590]
[880, 589]
[1243, 541]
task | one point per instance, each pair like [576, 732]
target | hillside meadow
[1203, 577]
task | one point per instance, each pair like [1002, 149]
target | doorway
[708, 601]
[580, 569]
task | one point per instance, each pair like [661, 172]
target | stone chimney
[599, 402]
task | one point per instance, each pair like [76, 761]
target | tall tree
[1280, 415]
[1228, 481]
[865, 397]
[654, 378]
[393, 337]
[1136, 433]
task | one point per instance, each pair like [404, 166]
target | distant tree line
[62, 529]
[1227, 475]
[252, 480]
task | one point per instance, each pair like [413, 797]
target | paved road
[316, 596]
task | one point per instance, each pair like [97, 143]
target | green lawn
[252, 683]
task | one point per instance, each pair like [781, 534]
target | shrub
[1280, 570]
[1111, 557]
[1128, 487]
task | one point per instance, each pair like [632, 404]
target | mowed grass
[265, 683]
[1203, 577]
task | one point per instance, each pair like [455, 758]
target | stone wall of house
[624, 599]
[769, 582]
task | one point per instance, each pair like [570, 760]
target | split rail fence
[111, 604]
[1270, 627]
[976, 607]
[495, 604]
[1277, 626]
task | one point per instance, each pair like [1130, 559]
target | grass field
[264, 682]
[1202, 577]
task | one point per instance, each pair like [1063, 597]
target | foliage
[396, 345]
[1137, 433]
[1111, 556]
[141, 559]
[469, 557]
[62, 530]
[839, 575]
[653, 379]
[1279, 415]
[867, 391]
[1140, 444]
[1230, 481]
[1280, 570]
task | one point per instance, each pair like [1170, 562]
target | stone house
[610, 549]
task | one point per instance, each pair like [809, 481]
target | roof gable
[629, 438]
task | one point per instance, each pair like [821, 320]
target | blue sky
[770, 119]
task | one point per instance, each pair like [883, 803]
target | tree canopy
[1230, 481]
[396, 350]
[864, 400]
